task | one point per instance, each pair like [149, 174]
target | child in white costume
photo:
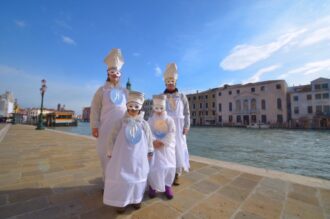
[162, 168]
[130, 147]
[177, 107]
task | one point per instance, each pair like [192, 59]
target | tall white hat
[135, 97]
[171, 72]
[114, 59]
[159, 100]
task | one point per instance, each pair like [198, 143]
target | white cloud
[20, 23]
[257, 76]
[243, 56]
[68, 40]
[63, 24]
[136, 54]
[158, 71]
[317, 36]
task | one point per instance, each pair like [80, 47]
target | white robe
[127, 170]
[104, 115]
[175, 108]
[162, 167]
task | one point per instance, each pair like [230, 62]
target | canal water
[302, 152]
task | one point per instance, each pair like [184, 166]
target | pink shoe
[151, 192]
[168, 192]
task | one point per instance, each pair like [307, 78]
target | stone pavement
[47, 174]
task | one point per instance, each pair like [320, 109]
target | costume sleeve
[186, 111]
[149, 136]
[113, 136]
[96, 108]
[169, 139]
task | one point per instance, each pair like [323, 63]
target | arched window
[253, 104]
[246, 105]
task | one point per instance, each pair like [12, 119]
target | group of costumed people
[138, 155]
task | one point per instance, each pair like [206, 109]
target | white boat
[258, 126]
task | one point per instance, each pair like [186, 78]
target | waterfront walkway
[47, 174]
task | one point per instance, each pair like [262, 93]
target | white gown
[162, 167]
[112, 110]
[127, 170]
[174, 108]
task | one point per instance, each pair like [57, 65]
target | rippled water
[293, 151]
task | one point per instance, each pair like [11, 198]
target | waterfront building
[61, 118]
[147, 108]
[86, 114]
[33, 114]
[241, 105]
[310, 104]
[7, 102]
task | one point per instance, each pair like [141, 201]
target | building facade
[241, 105]
[147, 108]
[86, 114]
[310, 104]
[7, 102]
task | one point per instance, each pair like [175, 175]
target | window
[230, 106]
[199, 97]
[213, 95]
[318, 109]
[280, 118]
[219, 94]
[246, 105]
[309, 96]
[310, 109]
[317, 86]
[253, 104]
[200, 113]
[194, 98]
[254, 119]
[213, 104]
[264, 119]
[230, 118]
[238, 105]
[279, 103]
[296, 110]
[262, 88]
[220, 118]
[325, 86]
[206, 105]
[326, 108]
[206, 113]
[229, 92]
[238, 119]
[205, 96]
[325, 96]
[295, 98]
[278, 86]
[219, 107]
[253, 89]
[188, 98]
[213, 112]
[200, 105]
[237, 91]
[263, 104]
[194, 106]
[318, 96]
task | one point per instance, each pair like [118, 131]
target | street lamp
[43, 89]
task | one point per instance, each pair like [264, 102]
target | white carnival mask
[133, 106]
[170, 81]
[115, 72]
[158, 108]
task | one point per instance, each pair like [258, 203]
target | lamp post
[43, 88]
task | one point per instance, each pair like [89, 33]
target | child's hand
[95, 132]
[185, 131]
[108, 155]
[157, 144]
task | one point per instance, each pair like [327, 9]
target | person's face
[170, 84]
[114, 75]
[133, 109]
[159, 110]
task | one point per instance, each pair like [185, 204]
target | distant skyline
[213, 43]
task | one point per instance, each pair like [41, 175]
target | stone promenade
[47, 174]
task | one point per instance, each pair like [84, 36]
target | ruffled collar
[138, 118]
[163, 116]
[108, 84]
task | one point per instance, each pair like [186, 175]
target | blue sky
[212, 42]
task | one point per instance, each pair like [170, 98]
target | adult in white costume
[130, 146]
[177, 107]
[163, 165]
[108, 105]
